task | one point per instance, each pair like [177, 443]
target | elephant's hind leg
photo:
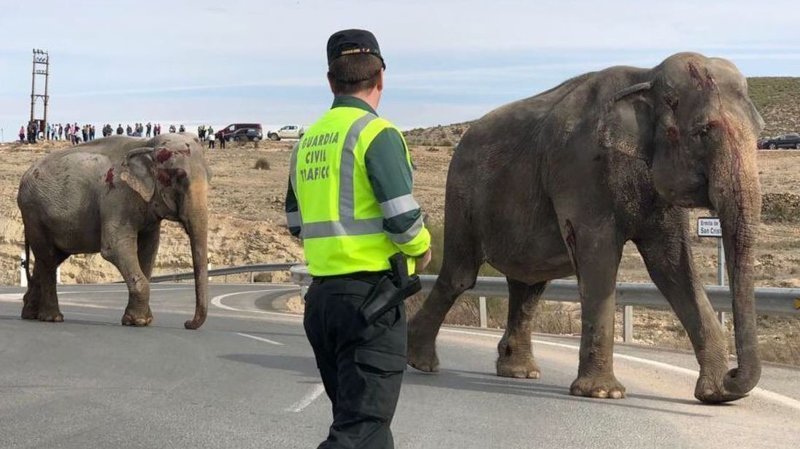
[515, 352]
[41, 299]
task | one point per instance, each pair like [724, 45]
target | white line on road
[310, 397]
[265, 340]
[217, 301]
[758, 392]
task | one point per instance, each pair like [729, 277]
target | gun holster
[391, 290]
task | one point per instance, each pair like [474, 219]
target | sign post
[711, 227]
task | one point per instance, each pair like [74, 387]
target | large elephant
[554, 185]
[109, 196]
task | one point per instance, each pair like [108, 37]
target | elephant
[110, 196]
[554, 185]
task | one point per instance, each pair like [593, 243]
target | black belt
[360, 283]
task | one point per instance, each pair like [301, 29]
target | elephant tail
[27, 262]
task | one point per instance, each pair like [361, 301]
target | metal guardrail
[769, 301]
[242, 269]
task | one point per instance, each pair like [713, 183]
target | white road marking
[757, 392]
[217, 301]
[265, 340]
[310, 397]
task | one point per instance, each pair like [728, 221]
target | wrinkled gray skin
[109, 196]
[554, 185]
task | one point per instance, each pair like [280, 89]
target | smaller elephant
[109, 196]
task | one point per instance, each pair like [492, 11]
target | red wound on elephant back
[110, 177]
[163, 155]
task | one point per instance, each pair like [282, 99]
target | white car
[287, 132]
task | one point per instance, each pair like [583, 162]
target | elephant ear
[137, 172]
[626, 124]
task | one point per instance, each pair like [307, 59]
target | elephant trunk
[736, 194]
[196, 225]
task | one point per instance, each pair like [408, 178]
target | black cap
[353, 42]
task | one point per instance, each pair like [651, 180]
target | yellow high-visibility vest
[341, 220]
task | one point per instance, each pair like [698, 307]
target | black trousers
[361, 365]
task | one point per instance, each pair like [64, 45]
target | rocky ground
[247, 226]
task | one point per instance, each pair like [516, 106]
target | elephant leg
[669, 261]
[595, 250]
[515, 352]
[120, 248]
[147, 244]
[41, 299]
[459, 271]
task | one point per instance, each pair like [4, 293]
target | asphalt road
[247, 379]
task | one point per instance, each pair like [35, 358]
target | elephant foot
[422, 353]
[52, 317]
[710, 391]
[30, 313]
[602, 387]
[519, 368]
[131, 318]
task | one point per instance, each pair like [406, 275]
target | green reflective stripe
[347, 168]
[407, 236]
[293, 219]
[398, 206]
[342, 228]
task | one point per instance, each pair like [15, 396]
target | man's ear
[137, 172]
[330, 82]
[380, 81]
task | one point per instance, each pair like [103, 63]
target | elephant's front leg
[120, 248]
[669, 261]
[515, 353]
[595, 250]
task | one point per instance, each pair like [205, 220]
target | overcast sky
[218, 62]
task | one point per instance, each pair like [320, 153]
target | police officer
[350, 201]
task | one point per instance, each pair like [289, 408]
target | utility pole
[41, 67]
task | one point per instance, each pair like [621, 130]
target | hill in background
[776, 98]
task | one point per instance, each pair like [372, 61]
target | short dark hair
[354, 73]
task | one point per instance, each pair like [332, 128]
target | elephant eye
[705, 129]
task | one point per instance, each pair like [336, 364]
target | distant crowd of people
[77, 134]
[71, 132]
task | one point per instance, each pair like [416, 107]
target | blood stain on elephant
[673, 135]
[110, 178]
[164, 178]
[706, 82]
[163, 155]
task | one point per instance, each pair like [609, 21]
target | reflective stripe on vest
[347, 224]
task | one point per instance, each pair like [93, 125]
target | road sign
[709, 227]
